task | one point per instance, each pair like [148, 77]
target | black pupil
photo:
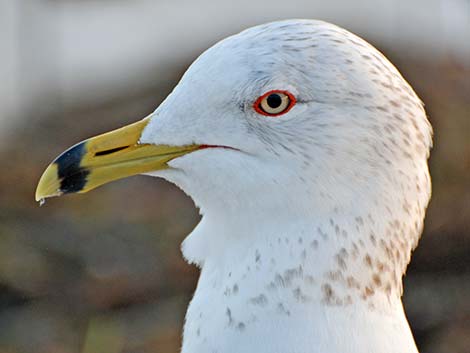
[274, 100]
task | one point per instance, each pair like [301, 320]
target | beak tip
[40, 197]
[49, 184]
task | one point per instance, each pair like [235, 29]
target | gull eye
[274, 103]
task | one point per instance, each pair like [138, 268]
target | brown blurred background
[102, 272]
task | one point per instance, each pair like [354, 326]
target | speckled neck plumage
[334, 277]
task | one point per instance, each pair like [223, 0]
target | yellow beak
[104, 158]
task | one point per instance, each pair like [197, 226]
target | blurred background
[104, 269]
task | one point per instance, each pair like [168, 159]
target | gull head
[301, 117]
[291, 120]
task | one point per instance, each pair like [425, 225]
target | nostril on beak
[112, 150]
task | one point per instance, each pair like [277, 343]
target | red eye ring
[283, 100]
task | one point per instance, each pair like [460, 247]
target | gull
[306, 152]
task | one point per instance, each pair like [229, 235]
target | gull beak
[104, 158]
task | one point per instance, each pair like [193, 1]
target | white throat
[296, 267]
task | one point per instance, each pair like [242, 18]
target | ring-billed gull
[306, 152]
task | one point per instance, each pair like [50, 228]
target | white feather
[308, 228]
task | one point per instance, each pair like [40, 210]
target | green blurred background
[102, 272]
